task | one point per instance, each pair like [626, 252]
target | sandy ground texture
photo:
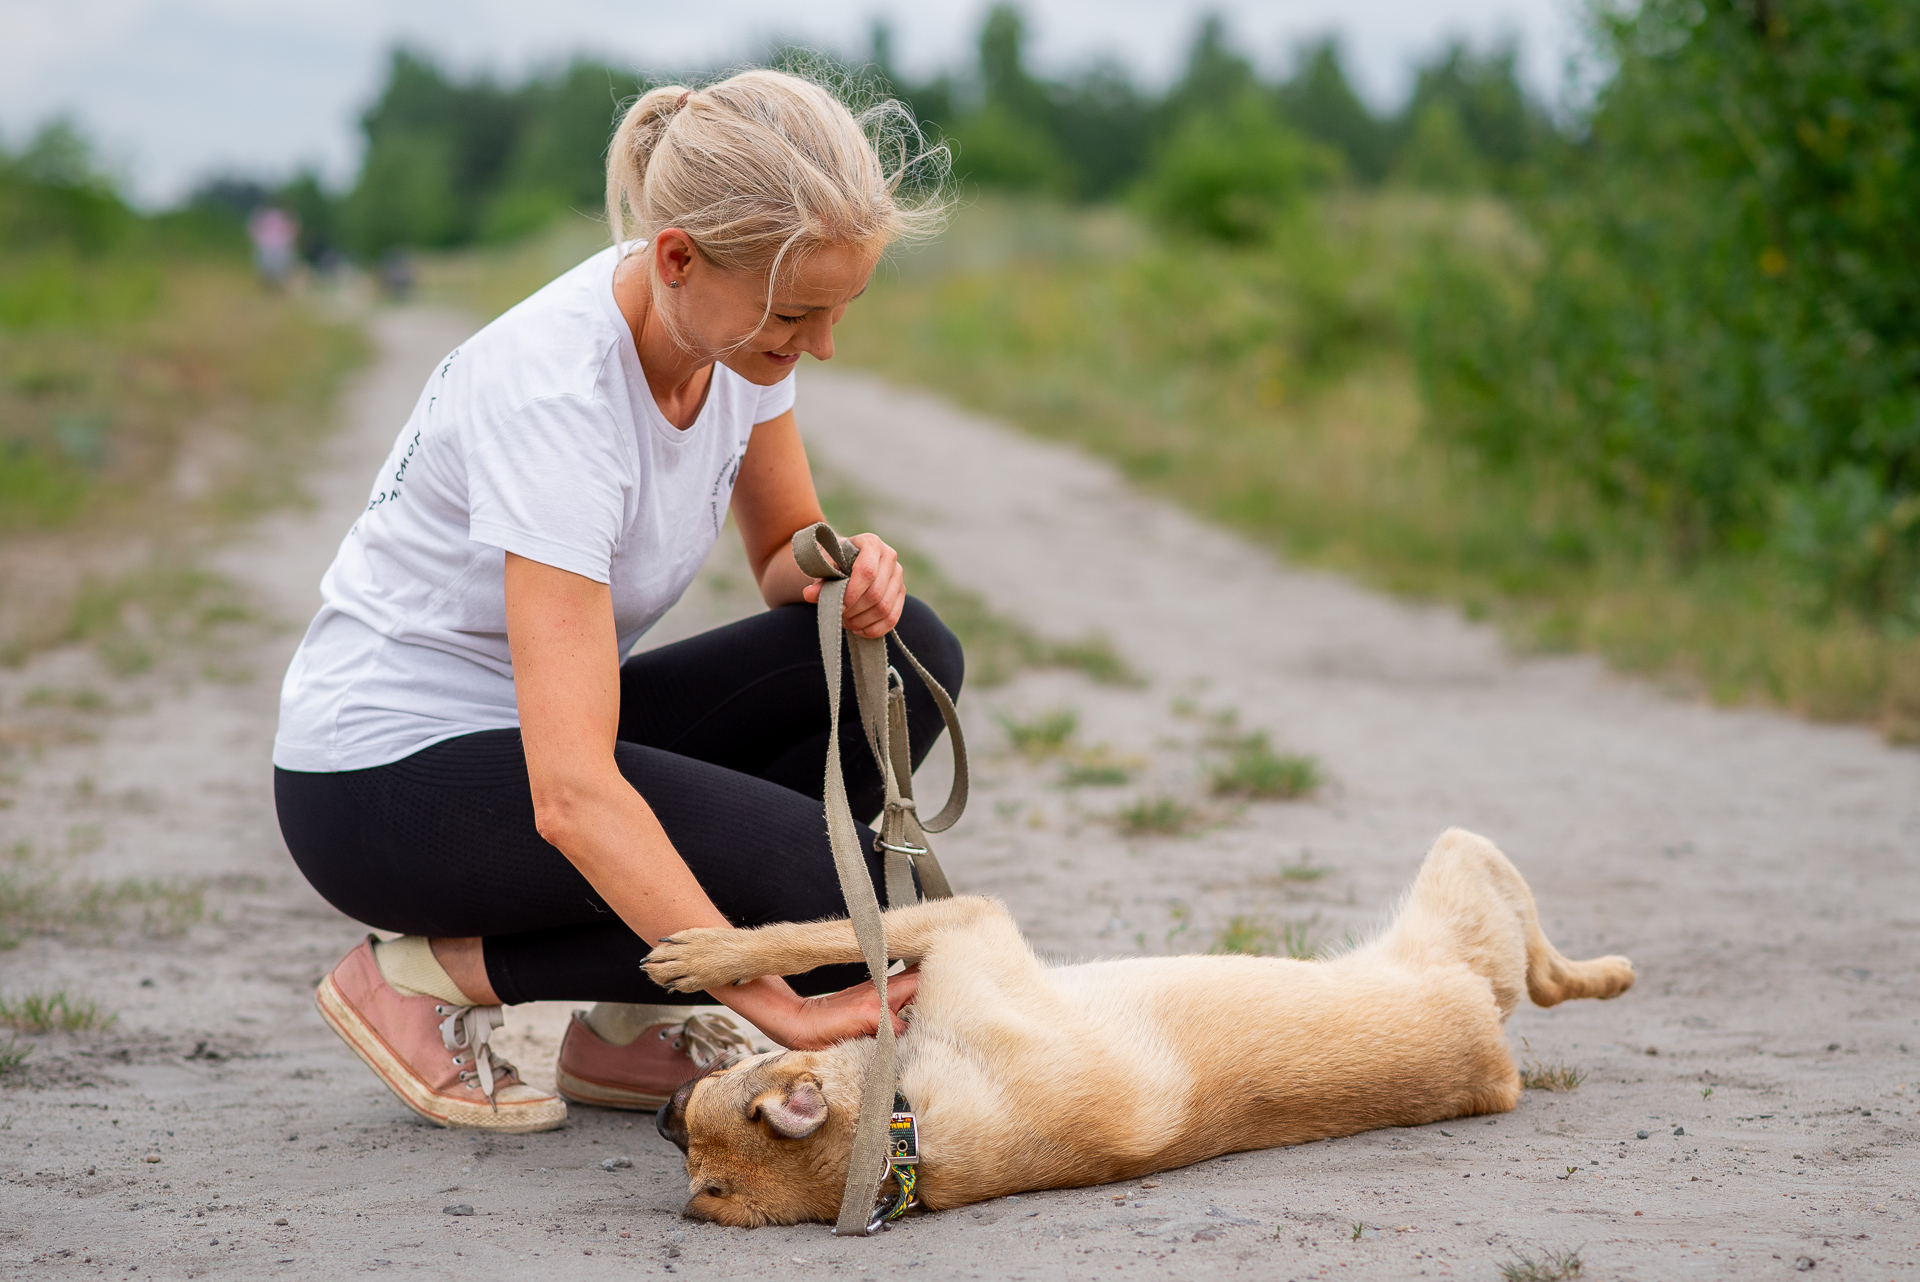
[1748, 1110]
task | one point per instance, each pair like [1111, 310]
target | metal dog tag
[903, 1141]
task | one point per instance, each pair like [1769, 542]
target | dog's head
[766, 1140]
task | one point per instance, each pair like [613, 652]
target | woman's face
[715, 307]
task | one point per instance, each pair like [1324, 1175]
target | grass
[1272, 391]
[1253, 769]
[42, 904]
[1302, 871]
[1553, 1266]
[164, 399]
[1538, 1076]
[1094, 769]
[59, 1010]
[1044, 734]
[1157, 816]
[1258, 937]
[13, 1055]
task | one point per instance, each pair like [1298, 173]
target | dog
[1026, 1076]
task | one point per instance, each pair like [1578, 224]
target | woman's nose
[815, 336]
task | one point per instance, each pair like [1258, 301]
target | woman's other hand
[815, 1023]
[876, 590]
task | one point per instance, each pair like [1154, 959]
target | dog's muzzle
[671, 1121]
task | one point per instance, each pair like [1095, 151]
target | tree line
[454, 160]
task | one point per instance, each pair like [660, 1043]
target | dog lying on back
[1026, 1076]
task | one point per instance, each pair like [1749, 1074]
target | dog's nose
[671, 1121]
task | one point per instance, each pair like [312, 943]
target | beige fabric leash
[824, 555]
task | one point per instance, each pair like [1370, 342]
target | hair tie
[683, 100]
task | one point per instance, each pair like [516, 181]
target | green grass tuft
[1554, 1266]
[1253, 769]
[1094, 770]
[13, 1055]
[41, 904]
[59, 1010]
[1258, 937]
[1044, 734]
[1159, 816]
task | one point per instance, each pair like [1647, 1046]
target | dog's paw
[1616, 975]
[698, 959]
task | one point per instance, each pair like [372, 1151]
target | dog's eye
[714, 1190]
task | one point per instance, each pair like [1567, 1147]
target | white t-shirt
[538, 436]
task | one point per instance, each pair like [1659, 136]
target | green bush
[1718, 336]
[1234, 174]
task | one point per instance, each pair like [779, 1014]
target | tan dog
[1026, 1076]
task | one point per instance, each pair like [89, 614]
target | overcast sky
[177, 89]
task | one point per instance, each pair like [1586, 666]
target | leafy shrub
[1719, 336]
[1232, 175]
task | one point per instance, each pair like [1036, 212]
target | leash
[881, 695]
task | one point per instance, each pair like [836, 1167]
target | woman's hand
[815, 1023]
[876, 589]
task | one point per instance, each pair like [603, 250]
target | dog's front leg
[690, 961]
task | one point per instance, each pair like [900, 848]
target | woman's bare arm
[566, 674]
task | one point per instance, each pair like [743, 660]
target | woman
[462, 755]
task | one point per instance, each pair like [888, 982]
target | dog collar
[903, 1163]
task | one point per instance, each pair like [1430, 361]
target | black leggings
[724, 734]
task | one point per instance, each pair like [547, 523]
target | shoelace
[707, 1038]
[467, 1029]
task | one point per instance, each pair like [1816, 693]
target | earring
[673, 284]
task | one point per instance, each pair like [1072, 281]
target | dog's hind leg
[690, 961]
[1470, 904]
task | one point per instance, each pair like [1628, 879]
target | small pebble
[1639, 1135]
[458, 1208]
[282, 1221]
[616, 1164]
[153, 1157]
[1679, 1130]
[1149, 1184]
[89, 1170]
[624, 1233]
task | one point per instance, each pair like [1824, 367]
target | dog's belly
[1143, 1065]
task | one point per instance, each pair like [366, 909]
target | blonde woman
[462, 754]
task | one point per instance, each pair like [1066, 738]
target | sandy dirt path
[1763, 873]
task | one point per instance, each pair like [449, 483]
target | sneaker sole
[364, 1041]
[602, 1095]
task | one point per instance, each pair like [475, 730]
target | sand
[1763, 872]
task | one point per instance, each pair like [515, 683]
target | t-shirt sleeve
[775, 400]
[549, 482]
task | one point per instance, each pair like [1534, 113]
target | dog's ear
[795, 1110]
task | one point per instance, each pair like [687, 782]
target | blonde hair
[763, 168]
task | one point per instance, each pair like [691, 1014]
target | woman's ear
[673, 255]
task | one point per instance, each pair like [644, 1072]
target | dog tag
[903, 1141]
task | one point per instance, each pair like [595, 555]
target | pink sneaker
[434, 1056]
[644, 1073]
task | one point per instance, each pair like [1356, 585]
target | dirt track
[1763, 873]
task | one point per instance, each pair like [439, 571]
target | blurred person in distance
[275, 234]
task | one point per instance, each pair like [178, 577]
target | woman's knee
[933, 643]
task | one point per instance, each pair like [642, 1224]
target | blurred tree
[1319, 101]
[1216, 77]
[1009, 141]
[54, 193]
[1722, 335]
[1467, 104]
[1232, 173]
